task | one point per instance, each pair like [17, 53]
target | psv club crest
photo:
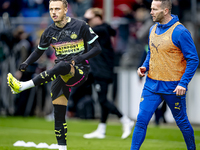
[73, 36]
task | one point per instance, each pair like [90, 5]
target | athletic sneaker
[13, 83]
[127, 129]
[95, 134]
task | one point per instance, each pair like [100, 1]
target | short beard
[159, 18]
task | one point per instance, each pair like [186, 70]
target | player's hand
[141, 71]
[78, 59]
[23, 67]
[57, 61]
[180, 90]
[73, 62]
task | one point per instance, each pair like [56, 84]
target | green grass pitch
[37, 130]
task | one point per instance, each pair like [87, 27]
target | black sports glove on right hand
[78, 59]
[57, 61]
[23, 67]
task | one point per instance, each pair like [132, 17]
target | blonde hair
[97, 12]
[64, 2]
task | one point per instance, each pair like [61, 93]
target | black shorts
[59, 87]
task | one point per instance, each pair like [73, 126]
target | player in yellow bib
[171, 63]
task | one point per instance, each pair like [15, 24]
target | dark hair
[64, 2]
[166, 4]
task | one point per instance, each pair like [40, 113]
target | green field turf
[37, 130]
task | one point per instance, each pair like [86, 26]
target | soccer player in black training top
[69, 37]
[102, 71]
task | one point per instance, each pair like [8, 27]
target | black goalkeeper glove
[23, 67]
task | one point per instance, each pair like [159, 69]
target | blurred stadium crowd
[23, 21]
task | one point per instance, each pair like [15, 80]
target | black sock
[60, 124]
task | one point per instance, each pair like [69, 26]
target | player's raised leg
[62, 68]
